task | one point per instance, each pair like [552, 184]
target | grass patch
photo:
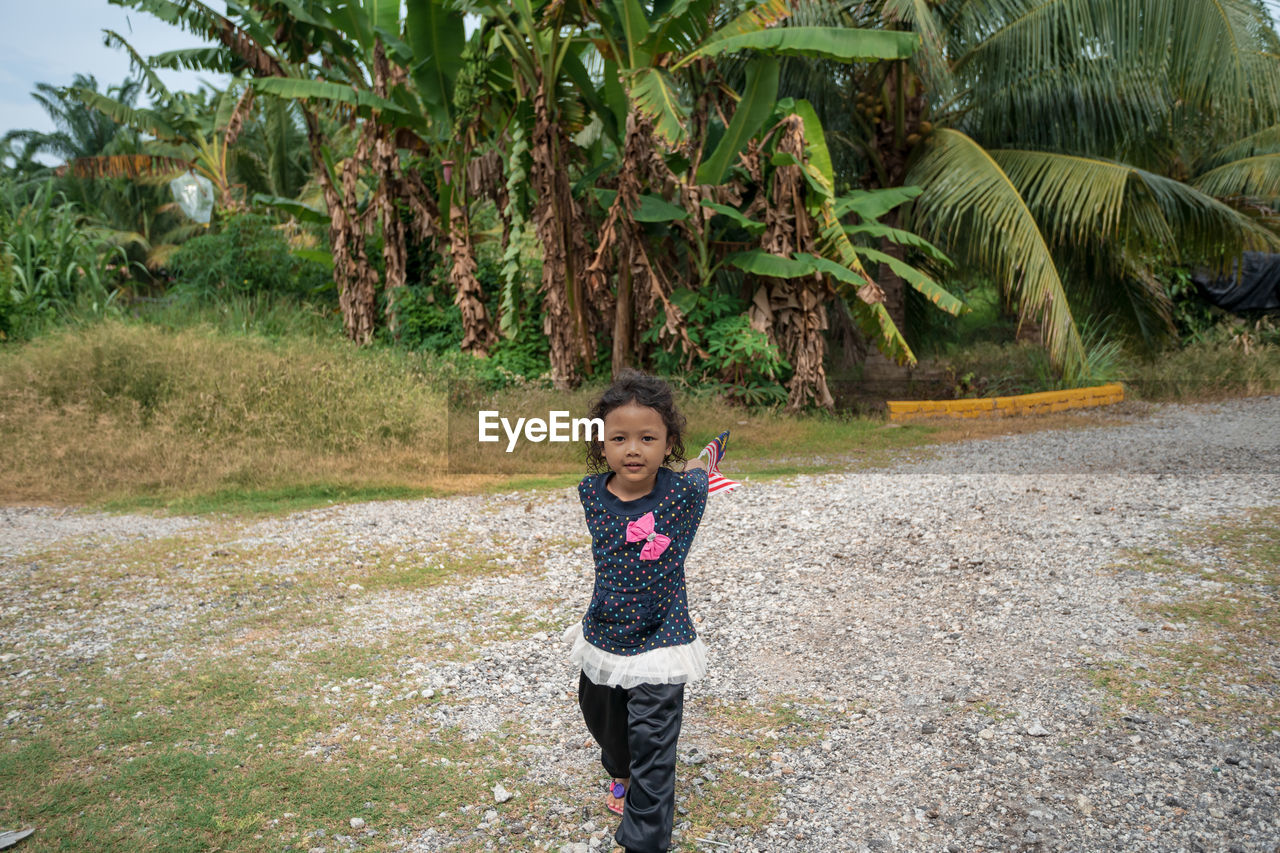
[1228, 597]
[457, 558]
[121, 413]
[1227, 365]
[265, 712]
[233, 755]
[127, 417]
[995, 712]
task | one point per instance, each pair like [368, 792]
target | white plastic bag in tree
[194, 194]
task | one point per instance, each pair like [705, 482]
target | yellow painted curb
[1040, 403]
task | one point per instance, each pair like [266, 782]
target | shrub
[6, 298]
[741, 364]
[248, 255]
[427, 322]
[1233, 357]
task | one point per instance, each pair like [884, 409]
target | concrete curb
[1041, 403]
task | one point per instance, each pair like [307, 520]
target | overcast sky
[49, 41]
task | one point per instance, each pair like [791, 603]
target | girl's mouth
[633, 466]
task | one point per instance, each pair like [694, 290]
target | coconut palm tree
[1067, 148]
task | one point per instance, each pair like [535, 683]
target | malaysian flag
[717, 482]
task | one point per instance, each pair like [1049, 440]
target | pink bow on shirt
[642, 530]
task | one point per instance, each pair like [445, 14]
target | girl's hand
[698, 464]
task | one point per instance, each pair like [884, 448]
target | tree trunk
[558, 223]
[386, 165]
[622, 318]
[478, 333]
[352, 275]
[895, 289]
[794, 306]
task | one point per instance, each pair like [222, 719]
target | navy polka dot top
[640, 605]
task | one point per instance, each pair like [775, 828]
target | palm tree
[78, 132]
[1070, 148]
[102, 162]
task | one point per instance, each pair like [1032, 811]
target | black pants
[637, 729]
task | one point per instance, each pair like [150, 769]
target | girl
[636, 645]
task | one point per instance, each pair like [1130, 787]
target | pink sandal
[618, 792]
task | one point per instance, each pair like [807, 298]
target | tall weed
[88, 414]
[51, 267]
[270, 315]
[1230, 359]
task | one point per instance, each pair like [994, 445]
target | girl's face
[635, 443]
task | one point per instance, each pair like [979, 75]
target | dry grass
[118, 410]
[1207, 371]
[136, 417]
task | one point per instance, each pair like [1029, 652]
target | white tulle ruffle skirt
[667, 665]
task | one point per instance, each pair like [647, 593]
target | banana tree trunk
[623, 318]
[477, 331]
[794, 306]
[386, 165]
[353, 275]
[895, 289]
[558, 223]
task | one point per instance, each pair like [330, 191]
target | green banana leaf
[754, 107]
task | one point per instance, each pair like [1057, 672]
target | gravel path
[899, 656]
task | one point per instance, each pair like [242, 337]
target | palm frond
[130, 166]
[973, 211]
[155, 86]
[1089, 75]
[1087, 198]
[1255, 177]
[1224, 54]
[1264, 141]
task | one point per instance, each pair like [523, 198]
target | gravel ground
[921, 636]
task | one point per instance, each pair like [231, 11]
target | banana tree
[544, 53]
[666, 61]
[335, 59]
[249, 44]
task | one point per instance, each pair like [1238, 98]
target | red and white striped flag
[717, 482]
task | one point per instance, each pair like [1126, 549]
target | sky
[49, 41]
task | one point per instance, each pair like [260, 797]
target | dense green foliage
[51, 265]
[246, 255]
[746, 167]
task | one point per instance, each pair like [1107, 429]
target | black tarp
[1251, 286]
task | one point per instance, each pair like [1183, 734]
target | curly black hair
[632, 386]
